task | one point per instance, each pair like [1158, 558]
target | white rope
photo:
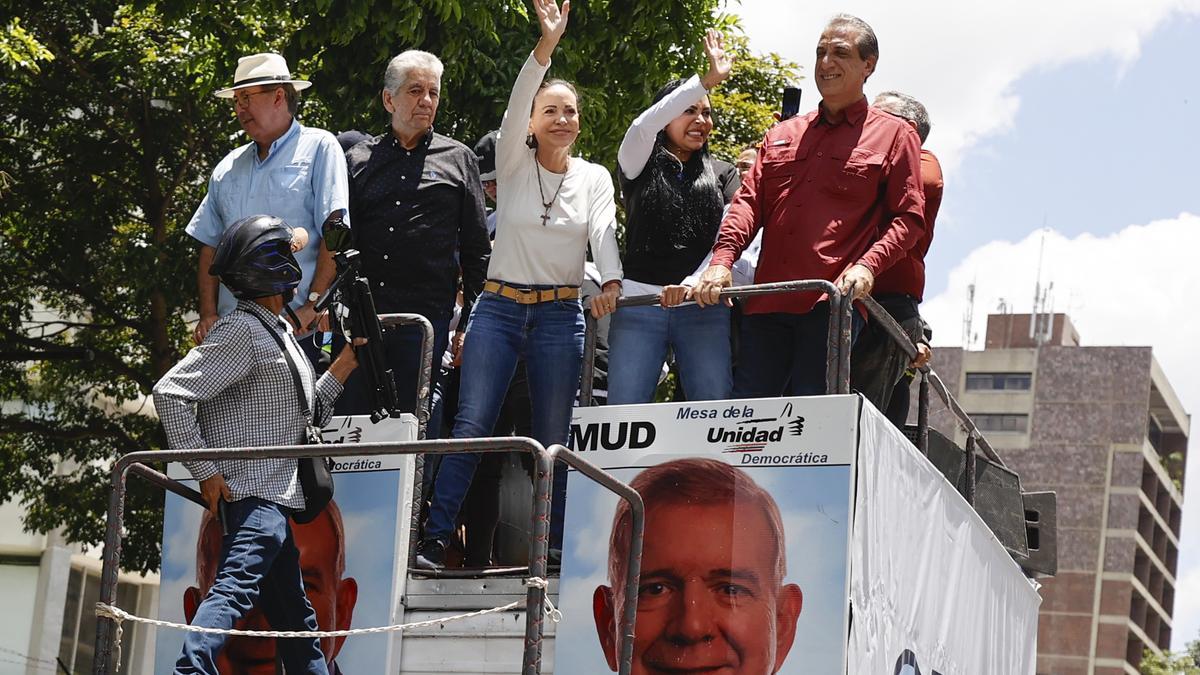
[118, 615]
[553, 612]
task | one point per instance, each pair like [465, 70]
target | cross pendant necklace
[546, 205]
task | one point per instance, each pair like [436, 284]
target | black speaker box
[997, 490]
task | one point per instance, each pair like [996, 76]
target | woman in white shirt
[675, 195]
[549, 207]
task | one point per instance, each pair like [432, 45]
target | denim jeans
[549, 335]
[402, 354]
[638, 342]
[259, 563]
[784, 354]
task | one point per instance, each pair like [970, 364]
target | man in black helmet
[236, 389]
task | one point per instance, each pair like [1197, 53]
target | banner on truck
[745, 560]
[349, 557]
[933, 590]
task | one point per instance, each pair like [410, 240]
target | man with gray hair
[879, 370]
[418, 218]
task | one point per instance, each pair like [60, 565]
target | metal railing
[837, 382]
[633, 559]
[423, 411]
[928, 377]
[134, 463]
[425, 375]
[837, 351]
[837, 360]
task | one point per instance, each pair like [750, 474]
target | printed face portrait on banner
[745, 539]
[322, 547]
[348, 561]
[711, 596]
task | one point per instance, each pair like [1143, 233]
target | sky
[1065, 131]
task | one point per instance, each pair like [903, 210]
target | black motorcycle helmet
[254, 258]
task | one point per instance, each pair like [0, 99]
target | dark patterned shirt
[235, 390]
[418, 215]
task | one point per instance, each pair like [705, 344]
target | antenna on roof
[1041, 320]
[968, 316]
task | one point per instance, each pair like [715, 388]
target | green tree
[1172, 663]
[108, 130]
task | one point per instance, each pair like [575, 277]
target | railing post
[106, 627]
[833, 361]
[923, 413]
[969, 470]
[845, 339]
[587, 374]
[424, 403]
[633, 560]
[425, 374]
[539, 543]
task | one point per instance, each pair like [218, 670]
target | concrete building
[1103, 428]
[49, 590]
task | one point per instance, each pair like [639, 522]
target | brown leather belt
[525, 296]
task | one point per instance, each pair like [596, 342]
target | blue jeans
[638, 342]
[402, 354]
[259, 561]
[549, 335]
[784, 354]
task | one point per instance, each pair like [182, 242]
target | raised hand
[551, 20]
[720, 62]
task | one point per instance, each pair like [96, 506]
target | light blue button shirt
[302, 180]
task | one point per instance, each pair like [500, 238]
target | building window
[999, 381]
[77, 646]
[1001, 422]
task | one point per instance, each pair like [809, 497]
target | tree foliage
[747, 102]
[108, 130]
[1182, 663]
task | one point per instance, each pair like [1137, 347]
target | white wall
[18, 588]
[13, 537]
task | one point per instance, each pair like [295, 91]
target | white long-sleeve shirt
[526, 251]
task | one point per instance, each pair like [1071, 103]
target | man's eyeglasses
[242, 98]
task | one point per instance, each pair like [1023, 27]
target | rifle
[352, 293]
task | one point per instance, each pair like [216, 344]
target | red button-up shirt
[829, 195]
[908, 275]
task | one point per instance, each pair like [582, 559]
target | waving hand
[720, 62]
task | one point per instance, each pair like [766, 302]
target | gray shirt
[235, 390]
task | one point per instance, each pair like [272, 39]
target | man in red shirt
[878, 367]
[838, 195]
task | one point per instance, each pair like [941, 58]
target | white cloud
[1138, 286]
[962, 58]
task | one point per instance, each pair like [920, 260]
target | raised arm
[639, 139]
[510, 142]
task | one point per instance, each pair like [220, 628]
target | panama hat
[259, 69]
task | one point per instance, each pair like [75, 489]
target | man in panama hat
[290, 171]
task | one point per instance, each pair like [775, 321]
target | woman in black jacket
[674, 195]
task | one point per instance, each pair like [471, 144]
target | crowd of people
[844, 193]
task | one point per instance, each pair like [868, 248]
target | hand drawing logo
[350, 433]
[753, 435]
[796, 425]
